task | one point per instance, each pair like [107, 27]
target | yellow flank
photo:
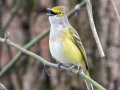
[70, 49]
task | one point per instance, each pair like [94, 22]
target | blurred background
[26, 19]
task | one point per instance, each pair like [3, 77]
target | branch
[2, 87]
[89, 9]
[32, 42]
[115, 10]
[46, 63]
[74, 10]
[13, 12]
[17, 57]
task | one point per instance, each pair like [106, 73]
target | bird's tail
[89, 85]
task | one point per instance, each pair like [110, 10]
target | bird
[65, 43]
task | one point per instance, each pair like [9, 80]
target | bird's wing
[78, 43]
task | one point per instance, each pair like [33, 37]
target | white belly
[57, 52]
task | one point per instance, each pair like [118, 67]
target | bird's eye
[60, 13]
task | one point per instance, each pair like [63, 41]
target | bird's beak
[51, 13]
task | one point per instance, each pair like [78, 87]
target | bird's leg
[58, 65]
[6, 37]
[79, 69]
[71, 67]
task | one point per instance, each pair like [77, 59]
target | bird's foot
[6, 37]
[71, 67]
[79, 69]
[58, 65]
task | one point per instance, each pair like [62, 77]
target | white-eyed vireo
[64, 42]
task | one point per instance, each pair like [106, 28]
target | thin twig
[46, 63]
[32, 42]
[13, 12]
[89, 9]
[115, 11]
[2, 87]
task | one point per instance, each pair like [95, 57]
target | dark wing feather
[78, 43]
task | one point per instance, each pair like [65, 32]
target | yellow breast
[64, 49]
[70, 49]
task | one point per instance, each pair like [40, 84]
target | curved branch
[46, 63]
[89, 9]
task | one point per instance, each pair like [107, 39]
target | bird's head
[57, 15]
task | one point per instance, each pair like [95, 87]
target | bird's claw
[58, 65]
[71, 67]
[79, 69]
[6, 36]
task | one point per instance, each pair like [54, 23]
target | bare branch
[2, 87]
[13, 12]
[89, 9]
[46, 63]
[115, 11]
